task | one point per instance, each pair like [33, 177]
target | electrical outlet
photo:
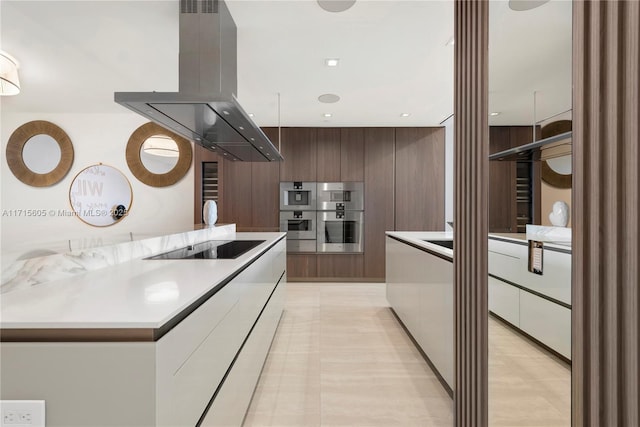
[22, 413]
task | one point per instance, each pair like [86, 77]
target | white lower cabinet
[504, 300]
[547, 322]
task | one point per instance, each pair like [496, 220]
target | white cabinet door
[504, 300]
[547, 322]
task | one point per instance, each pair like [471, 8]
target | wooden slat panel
[328, 157]
[378, 197]
[605, 321]
[352, 154]
[235, 205]
[340, 265]
[419, 179]
[471, 163]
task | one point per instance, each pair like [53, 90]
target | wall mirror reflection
[39, 153]
[530, 72]
[101, 195]
[157, 157]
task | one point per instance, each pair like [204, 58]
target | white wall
[96, 138]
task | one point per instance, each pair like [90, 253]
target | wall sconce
[9, 82]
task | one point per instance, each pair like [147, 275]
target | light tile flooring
[340, 358]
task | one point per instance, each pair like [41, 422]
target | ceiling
[394, 58]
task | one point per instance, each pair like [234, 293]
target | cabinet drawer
[504, 300]
[547, 322]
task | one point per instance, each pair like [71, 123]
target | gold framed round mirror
[556, 171]
[39, 153]
[158, 157]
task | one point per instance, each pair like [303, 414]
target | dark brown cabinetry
[340, 266]
[299, 152]
[351, 154]
[202, 157]
[419, 184]
[514, 190]
[379, 150]
[328, 155]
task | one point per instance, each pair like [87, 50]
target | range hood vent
[205, 109]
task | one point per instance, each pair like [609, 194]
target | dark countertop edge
[422, 248]
[524, 243]
[121, 334]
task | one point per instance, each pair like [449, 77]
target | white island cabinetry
[197, 362]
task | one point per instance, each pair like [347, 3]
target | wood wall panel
[605, 200]
[301, 265]
[265, 187]
[328, 154]
[236, 204]
[352, 154]
[200, 155]
[379, 151]
[471, 168]
[502, 188]
[340, 265]
[419, 179]
[299, 152]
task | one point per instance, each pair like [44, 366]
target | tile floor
[340, 358]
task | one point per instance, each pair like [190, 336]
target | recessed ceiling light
[329, 98]
[495, 113]
[226, 113]
[336, 5]
[327, 115]
[451, 42]
[250, 114]
[405, 114]
[522, 5]
[240, 127]
[332, 62]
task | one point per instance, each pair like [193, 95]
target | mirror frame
[547, 174]
[15, 147]
[137, 168]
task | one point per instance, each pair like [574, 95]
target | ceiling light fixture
[9, 81]
[160, 145]
[495, 113]
[332, 62]
[336, 5]
[250, 114]
[405, 114]
[522, 5]
[329, 98]
[327, 115]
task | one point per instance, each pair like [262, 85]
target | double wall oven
[322, 217]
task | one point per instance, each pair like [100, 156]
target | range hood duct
[205, 109]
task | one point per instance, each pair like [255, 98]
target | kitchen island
[146, 342]
[420, 292]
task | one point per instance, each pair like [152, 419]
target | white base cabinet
[170, 382]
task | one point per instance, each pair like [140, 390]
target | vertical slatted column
[606, 51]
[471, 154]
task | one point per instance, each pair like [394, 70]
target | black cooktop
[213, 249]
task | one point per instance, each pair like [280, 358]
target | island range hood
[205, 109]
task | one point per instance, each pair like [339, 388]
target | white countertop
[522, 238]
[418, 238]
[134, 294]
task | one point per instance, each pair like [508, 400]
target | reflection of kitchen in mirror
[530, 74]
[159, 154]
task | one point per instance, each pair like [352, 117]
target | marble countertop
[417, 238]
[133, 294]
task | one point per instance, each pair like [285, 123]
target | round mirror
[39, 153]
[556, 171]
[100, 195]
[159, 154]
[157, 157]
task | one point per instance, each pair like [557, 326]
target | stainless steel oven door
[340, 231]
[298, 196]
[334, 196]
[299, 225]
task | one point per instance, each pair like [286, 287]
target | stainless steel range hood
[205, 109]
